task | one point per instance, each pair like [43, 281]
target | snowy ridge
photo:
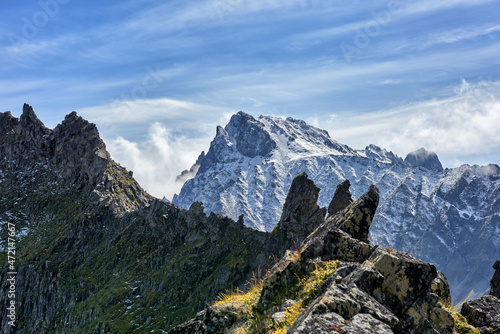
[449, 217]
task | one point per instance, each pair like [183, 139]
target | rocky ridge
[447, 217]
[94, 252]
[365, 288]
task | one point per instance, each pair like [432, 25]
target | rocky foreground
[367, 289]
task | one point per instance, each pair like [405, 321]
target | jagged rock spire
[358, 216]
[301, 212]
[30, 122]
[341, 199]
[25, 137]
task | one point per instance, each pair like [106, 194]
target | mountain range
[450, 217]
[84, 249]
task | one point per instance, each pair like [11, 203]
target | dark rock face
[495, 281]
[251, 140]
[358, 216]
[301, 213]
[341, 199]
[483, 313]
[424, 158]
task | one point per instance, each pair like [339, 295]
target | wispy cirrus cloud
[429, 6]
[140, 113]
[460, 34]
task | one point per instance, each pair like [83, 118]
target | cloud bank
[461, 128]
[158, 159]
[466, 124]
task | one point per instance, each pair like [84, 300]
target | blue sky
[157, 77]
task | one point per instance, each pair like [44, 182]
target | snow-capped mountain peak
[449, 217]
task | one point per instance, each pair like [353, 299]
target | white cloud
[427, 6]
[177, 132]
[143, 111]
[456, 35]
[158, 160]
[464, 124]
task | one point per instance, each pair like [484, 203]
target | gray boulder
[483, 313]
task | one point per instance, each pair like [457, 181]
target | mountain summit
[424, 158]
[447, 217]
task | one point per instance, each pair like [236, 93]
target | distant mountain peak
[249, 135]
[424, 158]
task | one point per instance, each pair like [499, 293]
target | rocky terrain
[449, 217]
[356, 287]
[94, 253]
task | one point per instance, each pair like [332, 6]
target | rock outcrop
[362, 288]
[301, 212]
[341, 199]
[495, 281]
[484, 312]
[209, 320]
[358, 217]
